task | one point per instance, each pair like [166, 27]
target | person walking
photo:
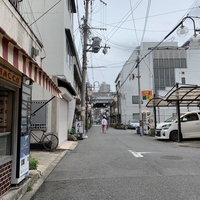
[104, 124]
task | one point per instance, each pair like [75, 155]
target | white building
[20, 66]
[159, 71]
[53, 23]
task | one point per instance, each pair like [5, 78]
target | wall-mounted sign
[147, 94]
[10, 76]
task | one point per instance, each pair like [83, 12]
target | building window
[69, 56]
[183, 80]
[136, 116]
[135, 99]
[164, 71]
[69, 5]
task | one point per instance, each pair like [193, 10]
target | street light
[183, 30]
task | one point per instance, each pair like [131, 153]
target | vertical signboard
[79, 128]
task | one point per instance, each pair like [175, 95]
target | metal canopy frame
[186, 95]
[179, 96]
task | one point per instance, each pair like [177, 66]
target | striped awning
[18, 58]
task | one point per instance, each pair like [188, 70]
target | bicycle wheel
[50, 141]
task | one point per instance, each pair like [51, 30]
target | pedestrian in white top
[104, 124]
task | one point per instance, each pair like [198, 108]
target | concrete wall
[14, 25]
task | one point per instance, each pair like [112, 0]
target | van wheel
[174, 136]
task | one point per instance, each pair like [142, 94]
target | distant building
[101, 101]
[104, 87]
[159, 71]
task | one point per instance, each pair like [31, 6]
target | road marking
[136, 154]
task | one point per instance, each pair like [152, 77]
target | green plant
[33, 163]
[29, 189]
[114, 125]
[72, 131]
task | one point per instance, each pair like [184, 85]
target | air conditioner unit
[34, 52]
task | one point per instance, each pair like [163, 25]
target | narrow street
[122, 165]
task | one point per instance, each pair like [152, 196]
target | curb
[39, 181]
[35, 179]
[18, 192]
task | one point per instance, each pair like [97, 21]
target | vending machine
[21, 157]
[146, 121]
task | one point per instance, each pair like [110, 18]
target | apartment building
[53, 23]
[158, 71]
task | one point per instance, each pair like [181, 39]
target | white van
[190, 127]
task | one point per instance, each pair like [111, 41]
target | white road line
[136, 154]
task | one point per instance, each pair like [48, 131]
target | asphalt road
[122, 165]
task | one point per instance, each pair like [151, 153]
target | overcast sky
[128, 23]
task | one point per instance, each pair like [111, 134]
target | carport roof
[186, 95]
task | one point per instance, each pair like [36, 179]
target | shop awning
[67, 85]
[17, 57]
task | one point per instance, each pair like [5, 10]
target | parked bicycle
[48, 140]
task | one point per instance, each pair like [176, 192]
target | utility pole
[139, 90]
[84, 67]
[86, 110]
[94, 48]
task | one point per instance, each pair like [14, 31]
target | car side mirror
[184, 119]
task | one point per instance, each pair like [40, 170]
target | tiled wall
[5, 177]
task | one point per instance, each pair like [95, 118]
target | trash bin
[138, 130]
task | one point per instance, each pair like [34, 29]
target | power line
[146, 19]
[151, 16]
[45, 12]
[126, 18]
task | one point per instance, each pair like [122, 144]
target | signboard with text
[10, 76]
[146, 95]
[79, 127]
